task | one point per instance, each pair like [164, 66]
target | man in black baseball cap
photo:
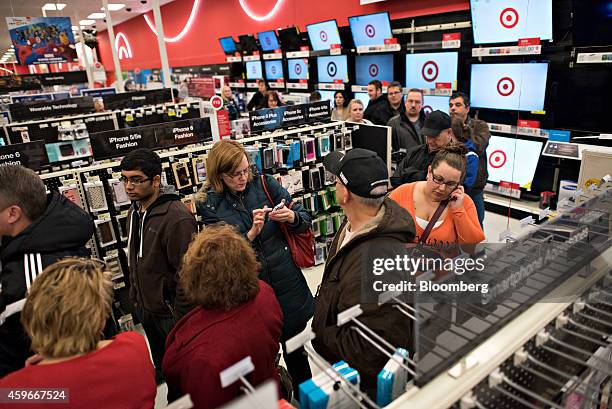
[374, 225]
[438, 134]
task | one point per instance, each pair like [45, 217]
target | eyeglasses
[415, 102]
[394, 93]
[236, 175]
[438, 180]
[133, 180]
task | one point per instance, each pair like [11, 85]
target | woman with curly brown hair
[237, 316]
[64, 315]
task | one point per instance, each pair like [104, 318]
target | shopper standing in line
[375, 226]
[340, 111]
[438, 133]
[236, 316]
[378, 111]
[234, 195]
[64, 313]
[480, 135]
[36, 230]
[395, 95]
[160, 228]
[406, 127]
[272, 99]
[355, 113]
[258, 100]
[230, 103]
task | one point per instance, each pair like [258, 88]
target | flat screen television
[592, 22]
[513, 160]
[253, 70]
[426, 70]
[247, 43]
[520, 87]
[268, 40]
[228, 44]
[363, 97]
[290, 39]
[323, 35]
[297, 68]
[435, 103]
[327, 95]
[508, 21]
[374, 67]
[274, 70]
[332, 68]
[370, 29]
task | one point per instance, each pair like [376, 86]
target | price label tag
[451, 40]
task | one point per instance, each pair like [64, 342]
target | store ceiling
[33, 8]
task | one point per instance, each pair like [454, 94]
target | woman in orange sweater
[458, 223]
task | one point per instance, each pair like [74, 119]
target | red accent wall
[220, 18]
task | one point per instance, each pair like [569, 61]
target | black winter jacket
[480, 136]
[277, 266]
[403, 133]
[62, 231]
[379, 111]
[346, 283]
[413, 167]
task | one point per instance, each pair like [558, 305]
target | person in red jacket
[64, 315]
[237, 316]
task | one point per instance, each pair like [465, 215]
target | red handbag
[300, 244]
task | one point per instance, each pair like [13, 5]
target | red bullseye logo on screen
[427, 109]
[430, 71]
[298, 69]
[332, 69]
[373, 70]
[505, 86]
[323, 36]
[370, 30]
[509, 17]
[497, 159]
[273, 69]
[268, 41]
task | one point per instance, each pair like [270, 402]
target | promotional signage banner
[64, 78]
[42, 40]
[32, 155]
[39, 110]
[269, 119]
[111, 144]
[136, 99]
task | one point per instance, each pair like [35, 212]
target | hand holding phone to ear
[456, 198]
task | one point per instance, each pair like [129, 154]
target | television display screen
[435, 103]
[253, 70]
[363, 97]
[228, 44]
[370, 29]
[327, 95]
[274, 69]
[298, 68]
[323, 35]
[332, 68]
[519, 87]
[513, 160]
[428, 69]
[247, 43]
[374, 67]
[592, 22]
[268, 40]
[290, 39]
[509, 21]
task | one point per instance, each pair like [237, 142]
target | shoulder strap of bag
[433, 221]
[265, 188]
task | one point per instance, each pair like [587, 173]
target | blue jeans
[478, 199]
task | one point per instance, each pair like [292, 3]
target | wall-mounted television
[425, 70]
[513, 160]
[274, 70]
[268, 40]
[228, 44]
[332, 68]
[370, 29]
[297, 68]
[253, 70]
[323, 35]
[374, 67]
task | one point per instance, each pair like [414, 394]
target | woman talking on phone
[443, 213]
[232, 194]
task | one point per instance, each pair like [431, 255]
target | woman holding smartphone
[457, 221]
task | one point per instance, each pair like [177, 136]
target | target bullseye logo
[332, 69]
[430, 71]
[273, 69]
[509, 17]
[254, 69]
[323, 36]
[497, 159]
[427, 109]
[373, 70]
[268, 41]
[298, 69]
[370, 30]
[505, 86]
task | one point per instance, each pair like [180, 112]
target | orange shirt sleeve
[466, 223]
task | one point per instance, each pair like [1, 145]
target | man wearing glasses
[160, 228]
[437, 133]
[406, 125]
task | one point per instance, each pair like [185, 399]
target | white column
[87, 64]
[162, 44]
[111, 38]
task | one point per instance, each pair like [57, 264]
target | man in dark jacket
[438, 133]
[406, 127]
[375, 226]
[160, 228]
[258, 99]
[480, 135]
[378, 111]
[36, 230]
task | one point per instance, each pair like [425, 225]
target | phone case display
[120, 196]
[104, 231]
[71, 192]
[392, 379]
[323, 146]
[182, 175]
[322, 392]
[199, 169]
[122, 224]
[95, 196]
[310, 149]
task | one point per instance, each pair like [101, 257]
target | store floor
[494, 225]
